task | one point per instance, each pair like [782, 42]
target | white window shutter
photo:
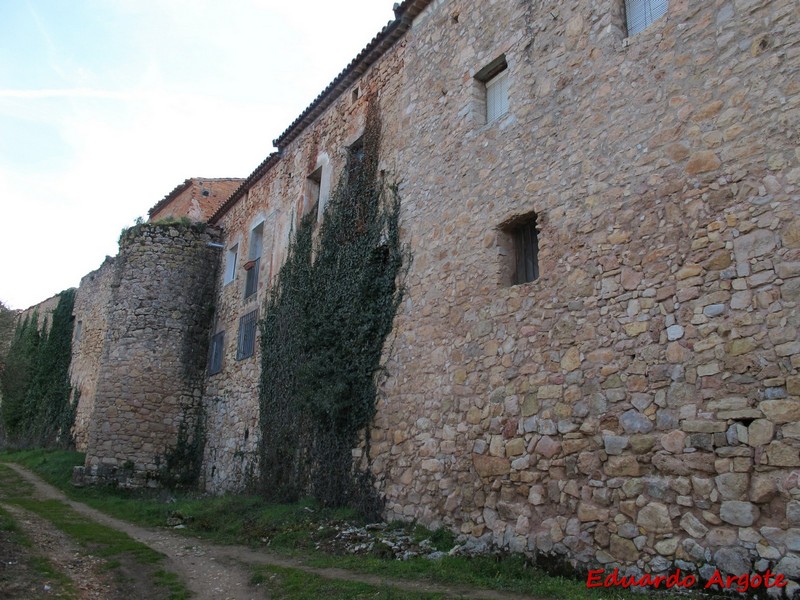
[497, 96]
[641, 13]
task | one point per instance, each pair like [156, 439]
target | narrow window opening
[230, 264]
[640, 14]
[253, 263]
[78, 331]
[356, 94]
[494, 78]
[313, 186]
[519, 244]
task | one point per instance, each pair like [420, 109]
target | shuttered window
[215, 354]
[251, 281]
[247, 335]
[641, 13]
[497, 96]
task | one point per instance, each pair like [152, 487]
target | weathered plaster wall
[638, 404]
[91, 310]
[153, 358]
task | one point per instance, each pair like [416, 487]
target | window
[519, 248]
[251, 282]
[78, 331]
[494, 78]
[639, 14]
[230, 264]
[254, 260]
[247, 335]
[215, 354]
[355, 156]
[313, 186]
[256, 241]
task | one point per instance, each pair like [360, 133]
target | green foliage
[7, 318]
[18, 375]
[184, 461]
[36, 408]
[322, 337]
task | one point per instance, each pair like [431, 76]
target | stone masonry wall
[92, 305]
[638, 404]
[154, 352]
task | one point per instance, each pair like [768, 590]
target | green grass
[287, 530]
[299, 585]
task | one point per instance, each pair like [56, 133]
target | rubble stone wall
[638, 404]
[154, 354]
[91, 309]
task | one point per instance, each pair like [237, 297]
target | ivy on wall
[326, 321]
[36, 409]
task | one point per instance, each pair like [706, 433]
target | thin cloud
[64, 93]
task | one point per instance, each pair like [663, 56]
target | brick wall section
[198, 201]
[638, 404]
[152, 366]
[92, 305]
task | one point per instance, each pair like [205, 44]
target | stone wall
[43, 311]
[637, 405]
[92, 306]
[154, 353]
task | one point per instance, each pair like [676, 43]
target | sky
[107, 105]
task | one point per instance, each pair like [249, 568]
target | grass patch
[298, 585]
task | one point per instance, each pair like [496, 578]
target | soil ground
[210, 571]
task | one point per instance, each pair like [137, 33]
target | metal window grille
[639, 14]
[497, 96]
[215, 355]
[526, 251]
[251, 283]
[247, 335]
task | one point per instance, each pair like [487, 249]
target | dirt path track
[214, 572]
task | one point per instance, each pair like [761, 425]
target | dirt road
[214, 572]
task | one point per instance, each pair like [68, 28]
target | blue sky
[107, 105]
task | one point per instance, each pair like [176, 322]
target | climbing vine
[322, 337]
[36, 409]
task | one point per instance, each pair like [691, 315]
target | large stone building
[597, 354]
